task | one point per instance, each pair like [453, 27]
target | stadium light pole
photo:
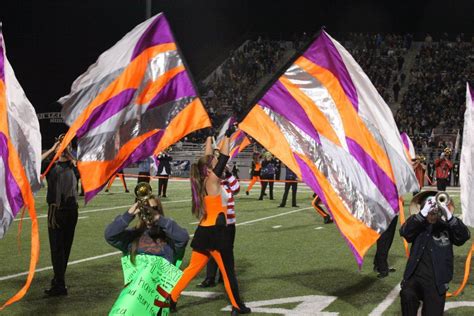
[148, 9]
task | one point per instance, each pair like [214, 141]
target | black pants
[294, 187]
[211, 269]
[441, 184]
[264, 187]
[383, 247]
[162, 185]
[60, 243]
[415, 290]
[143, 177]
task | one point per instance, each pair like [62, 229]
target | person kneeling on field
[432, 232]
[155, 245]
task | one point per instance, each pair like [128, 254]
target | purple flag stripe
[12, 189]
[282, 102]
[178, 87]
[375, 173]
[145, 149]
[2, 58]
[106, 110]
[310, 179]
[157, 33]
[323, 53]
[404, 137]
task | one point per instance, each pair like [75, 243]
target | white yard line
[108, 209]
[391, 297]
[7, 277]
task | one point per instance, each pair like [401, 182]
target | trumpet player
[443, 168]
[154, 233]
[419, 167]
[432, 231]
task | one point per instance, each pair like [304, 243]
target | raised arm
[47, 153]
[117, 234]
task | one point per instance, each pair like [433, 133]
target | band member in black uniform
[62, 214]
[432, 232]
[383, 247]
[291, 183]
[164, 171]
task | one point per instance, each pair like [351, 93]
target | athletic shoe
[173, 307]
[328, 219]
[241, 310]
[56, 291]
[207, 283]
[246, 192]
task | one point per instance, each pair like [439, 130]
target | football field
[287, 261]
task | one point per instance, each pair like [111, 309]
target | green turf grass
[296, 259]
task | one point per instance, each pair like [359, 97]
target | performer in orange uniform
[256, 167]
[122, 177]
[420, 169]
[210, 236]
[443, 167]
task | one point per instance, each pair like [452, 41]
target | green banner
[142, 280]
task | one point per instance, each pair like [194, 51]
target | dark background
[49, 43]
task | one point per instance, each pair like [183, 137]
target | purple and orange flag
[135, 101]
[20, 160]
[238, 140]
[324, 119]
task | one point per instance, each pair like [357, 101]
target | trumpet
[143, 193]
[442, 201]
[420, 158]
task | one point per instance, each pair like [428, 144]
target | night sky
[50, 43]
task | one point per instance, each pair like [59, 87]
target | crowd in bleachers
[435, 84]
[437, 87]
[382, 58]
[235, 79]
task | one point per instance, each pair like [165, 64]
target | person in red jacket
[443, 167]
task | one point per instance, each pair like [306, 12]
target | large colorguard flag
[20, 159]
[238, 140]
[134, 102]
[408, 146]
[466, 168]
[324, 119]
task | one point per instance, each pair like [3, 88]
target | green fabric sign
[141, 281]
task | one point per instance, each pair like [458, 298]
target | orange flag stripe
[258, 124]
[354, 127]
[20, 178]
[129, 78]
[19, 175]
[154, 87]
[190, 119]
[3, 110]
[317, 118]
[92, 179]
[360, 236]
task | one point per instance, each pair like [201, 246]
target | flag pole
[148, 9]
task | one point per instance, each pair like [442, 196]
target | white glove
[446, 212]
[430, 205]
